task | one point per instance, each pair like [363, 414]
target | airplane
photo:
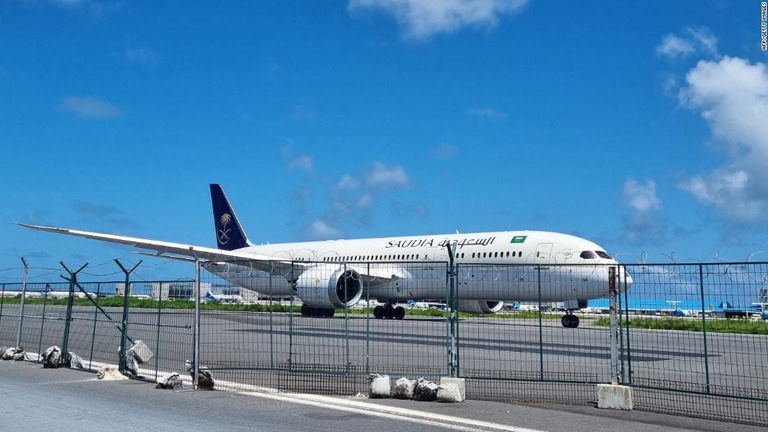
[756, 310]
[326, 275]
[677, 312]
[222, 298]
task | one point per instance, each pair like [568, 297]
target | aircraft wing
[373, 276]
[178, 251]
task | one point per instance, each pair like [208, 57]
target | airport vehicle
[326, 275]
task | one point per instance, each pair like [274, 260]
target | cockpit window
[595, 254]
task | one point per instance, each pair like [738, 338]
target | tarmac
[35, 398]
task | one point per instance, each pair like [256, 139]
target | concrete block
[611, 396]
[141, 352]
[459, 382]
[449, 393]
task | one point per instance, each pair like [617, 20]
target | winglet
[229, 233]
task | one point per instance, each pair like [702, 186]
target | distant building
[178, 290]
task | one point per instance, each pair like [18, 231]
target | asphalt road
[36, 399]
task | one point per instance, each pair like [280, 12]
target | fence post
[368, 327]
[23, 298]
[271, 318]
[541, 326]
[613, 292]
[159, 321]
[704, 325]
[126, 296]
[95, 321]
[196, 337]
[453, 316]
[626, 376]
[64, 359]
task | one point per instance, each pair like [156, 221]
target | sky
[642, 126]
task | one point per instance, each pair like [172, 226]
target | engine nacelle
[480, 306]
[329, 287]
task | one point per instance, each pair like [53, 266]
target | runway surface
[507, 359]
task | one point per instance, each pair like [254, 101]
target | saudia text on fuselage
[430, 242]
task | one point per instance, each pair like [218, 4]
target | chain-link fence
[693, 336]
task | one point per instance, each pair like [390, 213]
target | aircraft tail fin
[209, 297]
[229, 233]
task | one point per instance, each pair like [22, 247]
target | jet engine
[329, 287]
[480, 306]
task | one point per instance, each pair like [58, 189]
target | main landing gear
[309, 311]
[389, 311]
[570, 320]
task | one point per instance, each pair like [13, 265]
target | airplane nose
[626, 280]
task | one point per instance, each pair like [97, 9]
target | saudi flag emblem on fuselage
[519, 239]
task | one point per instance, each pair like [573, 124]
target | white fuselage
[502, 265]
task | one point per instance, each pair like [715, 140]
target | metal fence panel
[709, 361]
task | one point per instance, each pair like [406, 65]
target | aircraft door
[543, 253]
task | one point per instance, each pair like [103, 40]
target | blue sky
[642, 126]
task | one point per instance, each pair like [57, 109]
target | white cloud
[365, 201]
[641, 198]
[704, 39]
[89, 107]
[644, 221]
[353, 199]
[303, 162]
[348, 182]
[421, 19]
[384, 177]
[732, 96]
[691, 40]
[322, 230]
[727, 191]
[675, 46]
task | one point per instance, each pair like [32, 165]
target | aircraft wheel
[566, 321]
[378, 312]
[570, 321]
[304, 310]
[389, 312]
[399, 312]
